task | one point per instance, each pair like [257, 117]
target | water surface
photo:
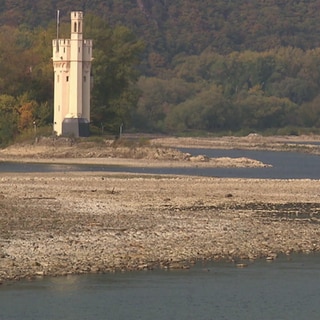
[287, 288]
[285, 165]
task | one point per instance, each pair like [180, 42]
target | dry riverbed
[63, 223]
[83, 222]
[303, 143]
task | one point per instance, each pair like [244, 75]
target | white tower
[72, 75]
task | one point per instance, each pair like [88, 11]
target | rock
[271, 257]
[241, 265]
[199, 158]
[164, 221]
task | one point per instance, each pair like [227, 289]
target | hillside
[172, 27]
[170, 66]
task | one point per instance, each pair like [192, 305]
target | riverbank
[153, 151]
[76, 222]
[304, 143]
[130, 152]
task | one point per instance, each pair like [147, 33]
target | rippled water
[287, 288]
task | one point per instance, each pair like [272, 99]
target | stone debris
[66, 150]
[82, 222]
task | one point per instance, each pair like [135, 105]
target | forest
[177, 67]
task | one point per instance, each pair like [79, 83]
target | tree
[8, 119]
[116, 57]
[309, 113]
[260, 112]
[27, 115]
[158, 97]
[208, 110]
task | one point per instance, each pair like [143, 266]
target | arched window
[79, 26]
[75, 27]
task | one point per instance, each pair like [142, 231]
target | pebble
[72, 230]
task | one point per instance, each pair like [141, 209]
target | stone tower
[72, 76]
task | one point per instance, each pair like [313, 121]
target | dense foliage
[26, 76]
[170, 66]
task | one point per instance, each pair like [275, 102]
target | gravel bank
[303, 143]
[108, 152]
[62, 223]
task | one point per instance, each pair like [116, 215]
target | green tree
[116, 57]
[260, 112]
[208, 110]
[158, 97]
[309, 113]
[9, 117]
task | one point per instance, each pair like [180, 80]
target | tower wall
[72, 67]
[61, 63]
[76, 66]
[86, 76]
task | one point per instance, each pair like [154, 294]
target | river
[285, 165]
[287, 288]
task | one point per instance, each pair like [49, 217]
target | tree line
[249, 90]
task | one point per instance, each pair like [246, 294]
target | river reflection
[287, 288]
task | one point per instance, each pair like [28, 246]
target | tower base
[76, 127]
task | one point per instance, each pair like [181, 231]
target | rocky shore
[128, 152]
[73, 223]
[253, 141]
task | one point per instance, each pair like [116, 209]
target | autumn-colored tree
[27, 115]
